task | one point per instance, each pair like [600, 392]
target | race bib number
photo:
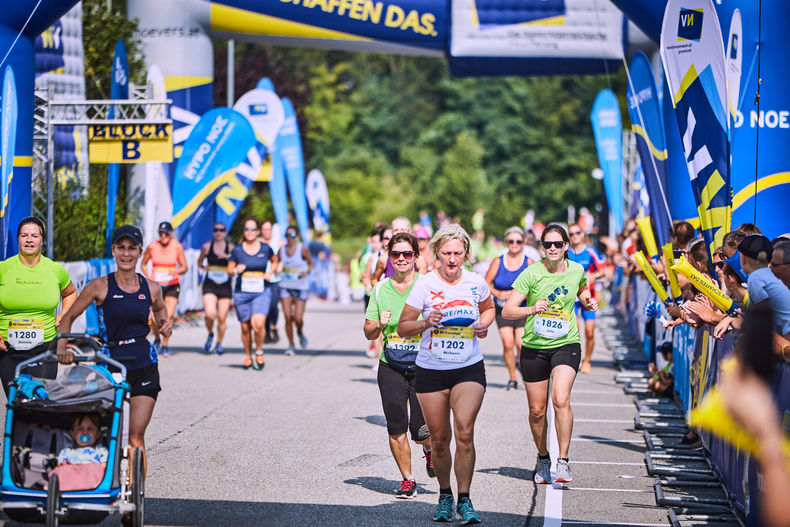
[552, 324]
[217, 274]
[252, 282]
[403, 344]
[289, 273]
[452, 344]
[164, 274]
[25, 333]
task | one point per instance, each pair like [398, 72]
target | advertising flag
[278, 189]
[692, 52]
[734, 59]
[158, 205]
[8, 117]
[265, 112]
[318, 199]
[119, 89]
[608, 132]
[217, 144]
[644, 108]
[289, 145]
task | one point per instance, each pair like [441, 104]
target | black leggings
[274, 309]
[9, 361]
[397, 389]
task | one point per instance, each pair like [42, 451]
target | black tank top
[212, 257]
[124, 316]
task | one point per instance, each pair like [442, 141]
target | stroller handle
[51, 353]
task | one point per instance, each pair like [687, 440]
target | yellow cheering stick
[651, 276]
[712, 415]
[648, 237]
[673, 277]
[705, 286]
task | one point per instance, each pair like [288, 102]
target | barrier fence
[697, 360]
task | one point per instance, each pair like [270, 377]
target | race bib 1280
[25, 333]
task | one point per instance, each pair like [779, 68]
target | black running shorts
[144, 381]
[536, 364]
[171, 290]
[437, 380]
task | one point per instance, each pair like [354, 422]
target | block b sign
[130, 143]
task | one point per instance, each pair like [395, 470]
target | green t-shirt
[31, 292]
[560, 291]
[383, 297]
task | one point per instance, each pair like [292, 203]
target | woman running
[216, 286]
[168, 263]
[31, 285]
[297, 265]
[252, 299]
[550, 346]
[500, 276]
[457, 310]
[396, 369]
[125, 300]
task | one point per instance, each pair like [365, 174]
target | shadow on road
[635, 447]
[509, 472]
[378, 420]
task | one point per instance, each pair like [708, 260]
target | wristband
[782, 353]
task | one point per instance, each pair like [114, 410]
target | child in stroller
[82, 468]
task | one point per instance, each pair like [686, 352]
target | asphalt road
[304, 442]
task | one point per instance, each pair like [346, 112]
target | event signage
[608, 132]
[217, 144]
[8, 118]
[130, 143]
[692, 51]
[734, 59]
[289, 144]
[119, 89]
[644, 108]
[317, 195]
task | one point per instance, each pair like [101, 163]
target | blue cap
[734, 261]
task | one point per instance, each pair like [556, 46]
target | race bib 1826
[552, 323]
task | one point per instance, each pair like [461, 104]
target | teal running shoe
[467, 512]
[444, 511]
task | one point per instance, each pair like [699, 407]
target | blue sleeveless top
[504, 279]
[124, 316]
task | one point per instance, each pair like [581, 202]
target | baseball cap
[128, 231]
[734, 261]
[757, 247]
[422, 233]
[165, 226]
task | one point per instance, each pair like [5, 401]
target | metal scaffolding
[49, 113]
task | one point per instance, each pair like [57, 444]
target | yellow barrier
[673, 277]
[648, 237]
[705, 286]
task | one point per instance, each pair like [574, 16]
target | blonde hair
[447, 233]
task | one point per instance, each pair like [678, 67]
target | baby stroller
[37, 423]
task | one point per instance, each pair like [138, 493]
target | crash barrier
[697, 358]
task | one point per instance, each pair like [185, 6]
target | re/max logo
[690, 24]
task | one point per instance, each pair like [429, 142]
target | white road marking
[607, 463]
[608, 440]
[605, 405]
[629, 524]
[638, 491]
[622, 421]
[552, 508]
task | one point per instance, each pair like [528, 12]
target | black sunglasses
[574, 233]
[386, 238]
[219, 230]
[250, 228]
[518, 242]
[290, 234]
[406, 254]
[549, 245]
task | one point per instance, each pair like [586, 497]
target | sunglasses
[549, 245]
[406, 254]
[164, 233]
[517, 242]
[386, 238]
[574, 233]
[250, 228]
[290, 234]
[219, 230]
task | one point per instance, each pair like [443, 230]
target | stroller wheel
[53, 501]
[138, 488]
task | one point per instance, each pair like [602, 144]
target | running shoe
[429, 465]
[290, 351]
[371, 351]
[467, 512]
[218, 349]
[407, 490]
[209, 341]
[543, 471]
[302, 341]
[512, 384]
[165, 352]
[259, 361]
[563, 472]
[444, 511]
[275, 336]
[248, 364]
[267, 338]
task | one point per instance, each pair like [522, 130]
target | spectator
[749, 228]
[763, 286]
[684, 233]
[730, 243]
[780, 262]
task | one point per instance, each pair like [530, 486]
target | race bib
[217, 274]
[164, 274]
[25, 333]
[290, 273]
[552, 324]
[452, 344]
[252, 282]
[403, 344]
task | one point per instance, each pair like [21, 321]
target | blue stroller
[37, 423]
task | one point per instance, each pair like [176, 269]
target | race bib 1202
[452, 344]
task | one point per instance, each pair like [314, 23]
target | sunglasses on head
[518, 242]
[549, 245]
[406, 254]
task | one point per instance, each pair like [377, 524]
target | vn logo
[690, 24]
